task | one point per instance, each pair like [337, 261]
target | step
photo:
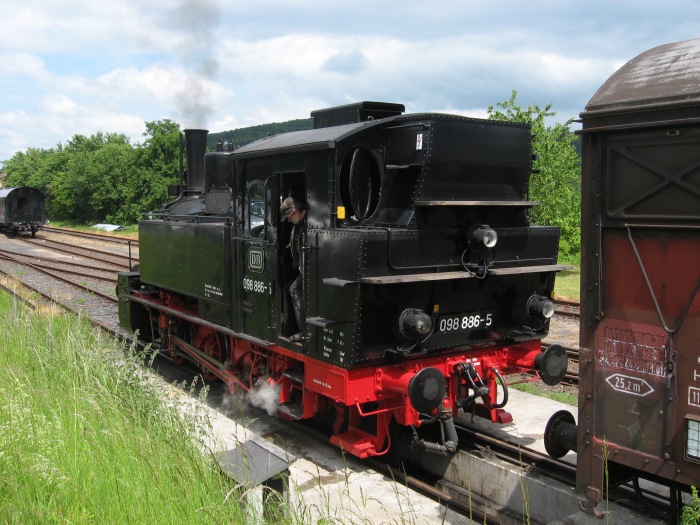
[293, 411]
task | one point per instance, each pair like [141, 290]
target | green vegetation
[127, 231]
[557, 184]
[562, 397]
[567, 285]
[84, 441]
[102, 178]
[691, 512]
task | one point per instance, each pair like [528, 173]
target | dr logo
[256, 259]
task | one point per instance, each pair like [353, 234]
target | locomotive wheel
[214, 346]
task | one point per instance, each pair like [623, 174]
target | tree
[89, 178]
[102, 177]
[156, 167]
[29, 169]
[112, 165]
[557, 181]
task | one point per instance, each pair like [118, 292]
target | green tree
[557, 184]
[157, 166]
[79, 190]
[102, 177]
[35, 167]
[112, 165]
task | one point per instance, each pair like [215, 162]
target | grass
[562, 397]
[84, 441]
[131, 231]
[567, 285]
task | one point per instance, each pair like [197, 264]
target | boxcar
[639, 402]
[22, 209]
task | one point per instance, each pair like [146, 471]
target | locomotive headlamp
[482, 237]
[540, 307]
[414, 323]
[480, 253]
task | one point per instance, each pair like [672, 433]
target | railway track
[567, 308]
[118, 239]
[70, 267]
[104, 256]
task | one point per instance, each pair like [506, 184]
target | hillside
[243, 136]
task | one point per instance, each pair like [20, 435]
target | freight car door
[256, 264]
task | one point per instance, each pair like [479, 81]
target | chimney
[196, 147]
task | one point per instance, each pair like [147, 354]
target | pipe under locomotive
[425, 285]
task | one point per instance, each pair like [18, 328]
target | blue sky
[71, 67]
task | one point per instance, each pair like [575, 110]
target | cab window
[256, 210]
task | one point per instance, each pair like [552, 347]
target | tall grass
[85, 441]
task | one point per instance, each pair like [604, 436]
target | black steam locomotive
[424, 282]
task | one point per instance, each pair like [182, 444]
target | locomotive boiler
[639, 397]
[425, 284]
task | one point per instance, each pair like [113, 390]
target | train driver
[295, 212]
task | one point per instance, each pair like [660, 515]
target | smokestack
[196, 147]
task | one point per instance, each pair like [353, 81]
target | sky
[71, 67]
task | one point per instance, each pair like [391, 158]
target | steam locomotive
[425, 285]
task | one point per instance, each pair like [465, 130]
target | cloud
[70, 67]
[58, 104]
[345, 62]
[22, 64]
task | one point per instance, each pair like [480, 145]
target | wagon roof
[662, 76]
[5, 192]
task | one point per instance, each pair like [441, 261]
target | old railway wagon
[425, 284]
[22, 209]
[639, 401]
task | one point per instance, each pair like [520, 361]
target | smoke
[196, 21]
[265, 396]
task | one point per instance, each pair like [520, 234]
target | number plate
[464, 322]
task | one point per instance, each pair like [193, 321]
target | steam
[265, 396]
[196, 21]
